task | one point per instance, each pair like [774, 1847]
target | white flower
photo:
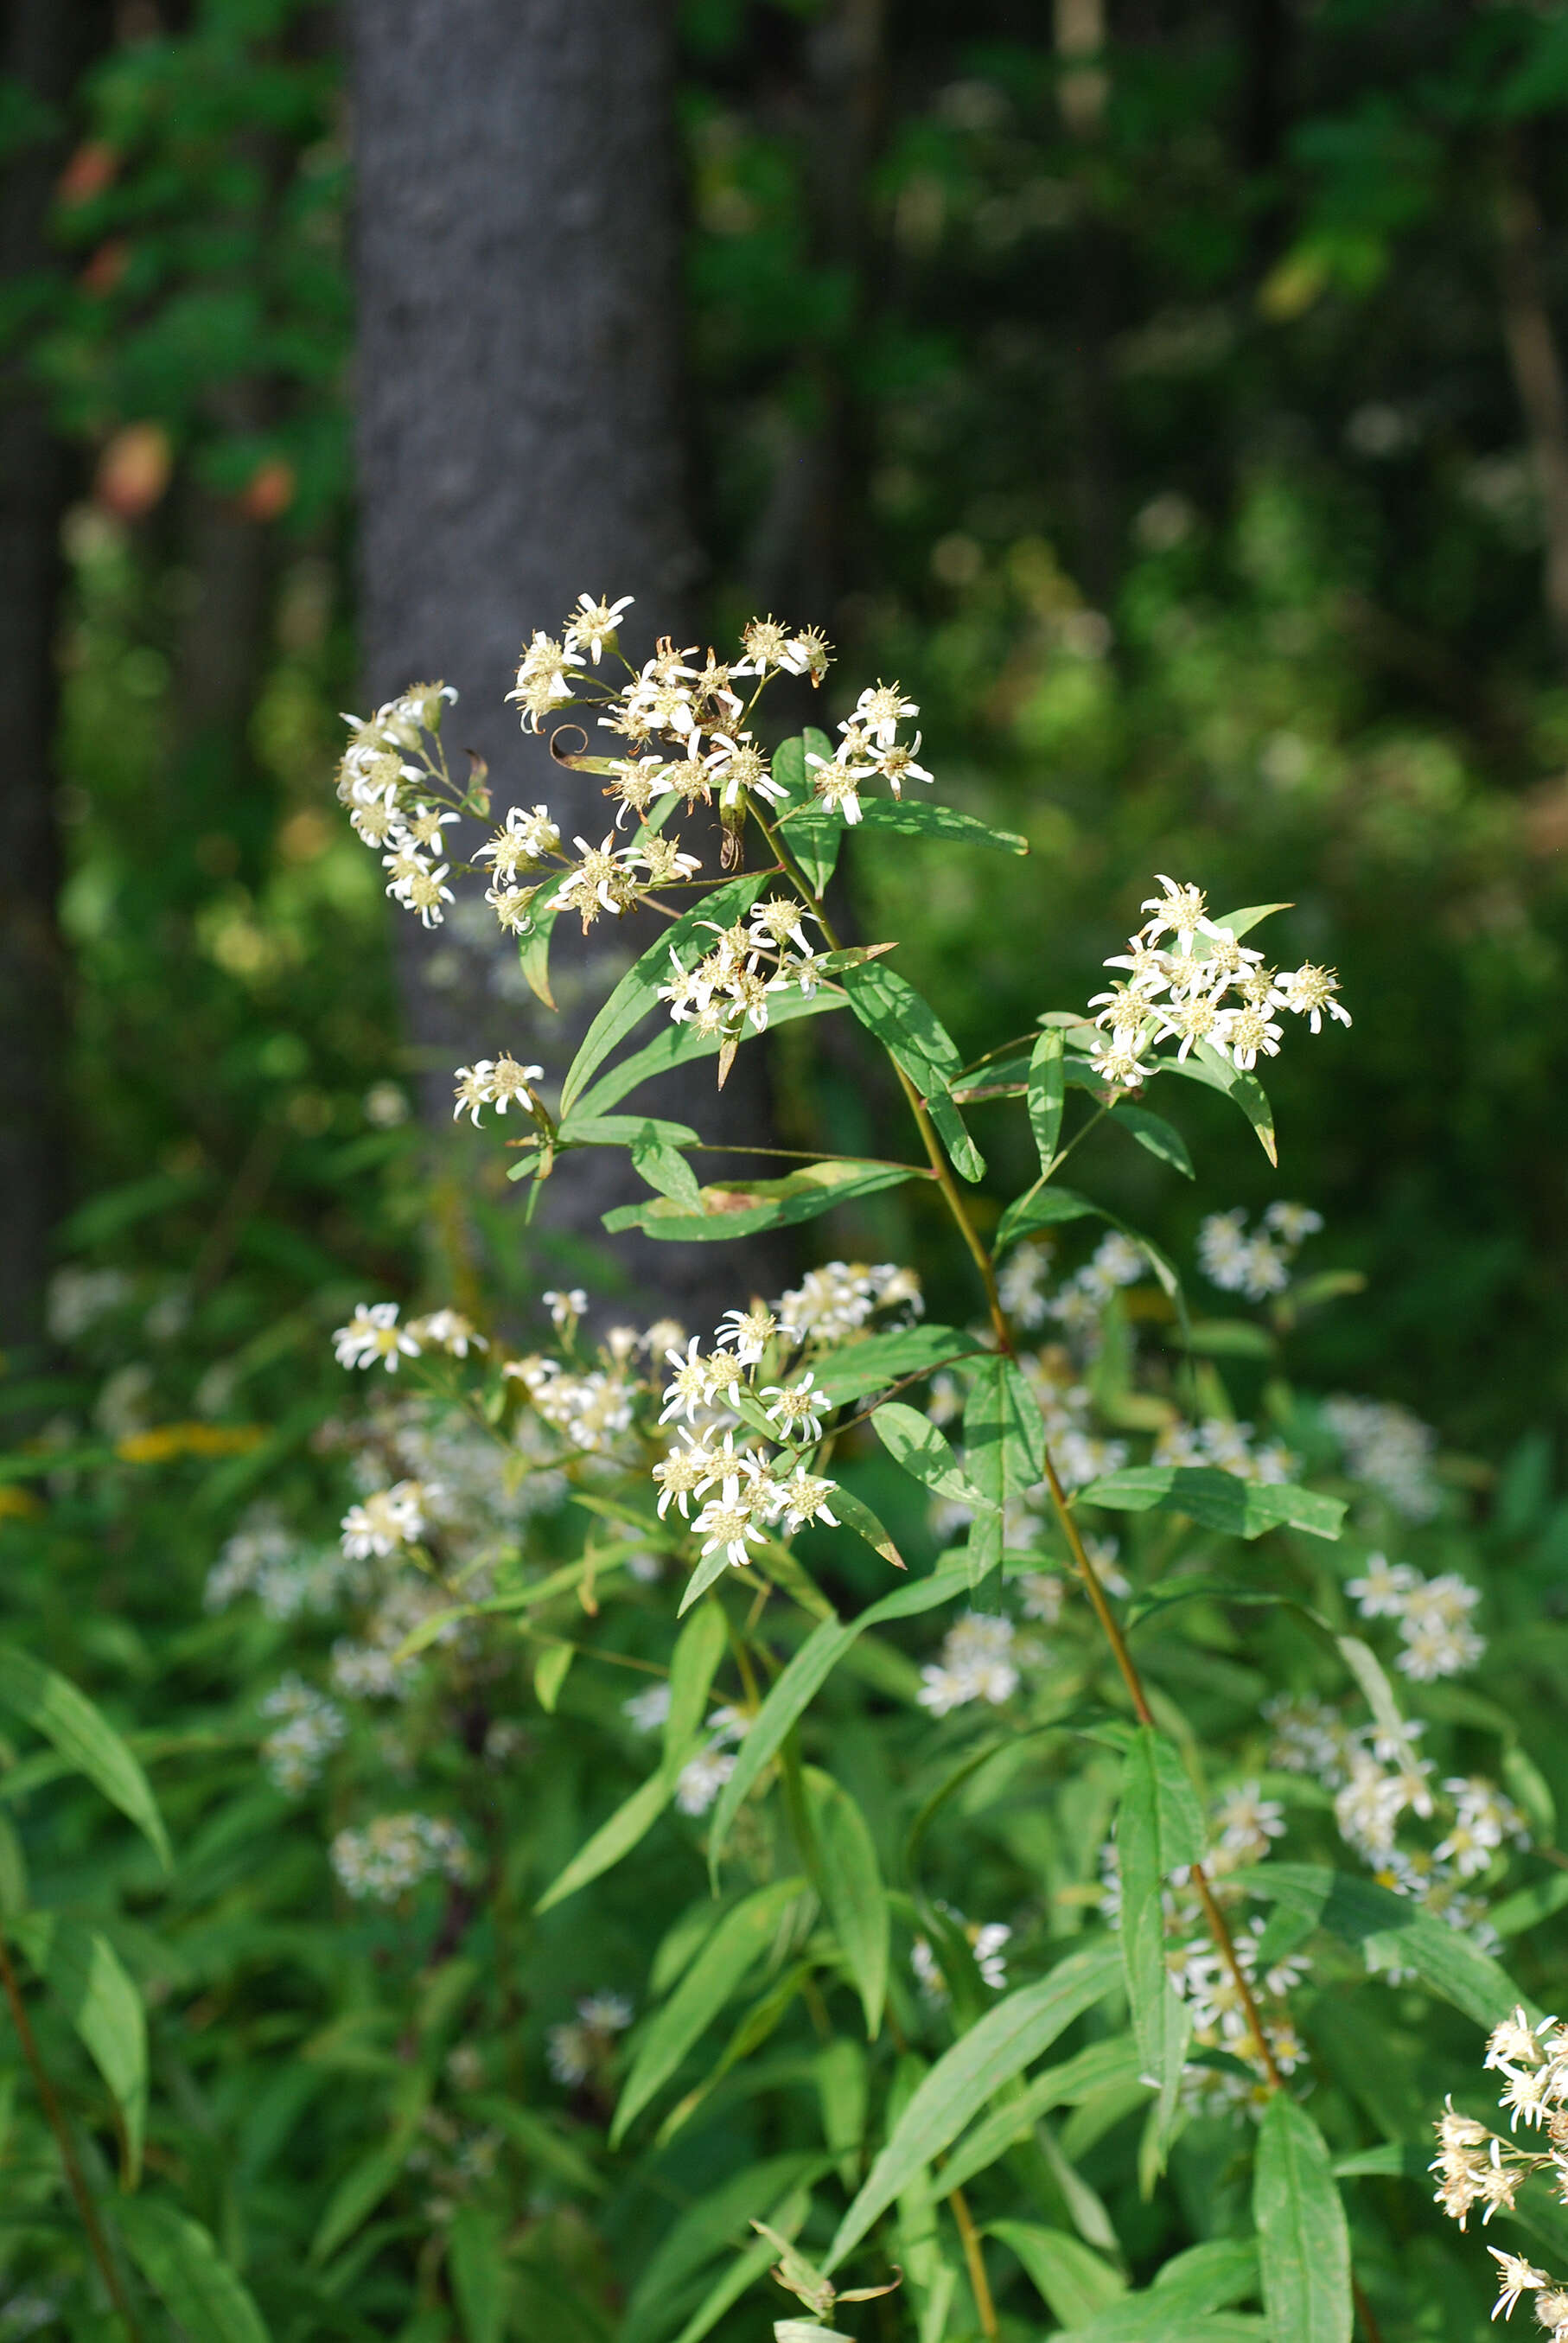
[525, 841]
[593, 624]
[974, 1665]
[648, 1710]
[395, 1853]
[373, 1332]
[387, 1519]
[803, 1498]
[1382, 1589]
[1245, 1035]
[729, 1520]
[691, 1385]
[1307, 992]
[448, 1329]
[701, 1779]
[795, 1409]
[1514, 2276]
[565, 1307]
[1180, 911]
[747, 1331]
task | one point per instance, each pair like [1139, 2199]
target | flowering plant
[1219, 1847]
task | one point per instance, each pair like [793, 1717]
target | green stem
[54, 2116]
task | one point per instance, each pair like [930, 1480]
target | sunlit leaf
[84, 1738]
[1303, 2244]
[852, 1889]
[85, 1975]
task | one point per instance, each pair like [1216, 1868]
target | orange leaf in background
[133, 470]
[94, 166]
[270, 490]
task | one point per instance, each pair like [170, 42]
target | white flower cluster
[1233, 1447]
[987, 1940]
[288, 1579]
[975, 1665]
[703, 1777]
[1476, 2166]
[391, 1855]
[311, 1727]
[1433, 1615]
[374, 1333]
[394, 801]
[1255, 1263]
[1079, 1305]
[732, 984]
[1389, 1449]
[870, 751]
[1206, 987]
[386, 1519]
[580, 2047]
[838, 1298]
[78, 1298]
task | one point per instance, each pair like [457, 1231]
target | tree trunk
[46, 46]
[520, 441]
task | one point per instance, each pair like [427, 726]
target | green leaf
[84, 1738]
[550, 1673]
[745, 2269]
[879, 1359]
[534, 952]
[1217, 1500]
[1303, 2244]
[741, 1939]
[1071, 2279]
[680, 1045]
[84, 1974]
[182, 2264]
[1241, 923]
[1161, 1138]
[816, 831]
[742, 1209]
[1006, 2040]
[1159, 1827]
[1359, 1911]
[852, 1889]
[479, 2266]
[913, 1441]
[1103, 2066]
[625, 1829]
[1004, 1453]
[856, 1514]
[637, 990]
[357, 2194]
[580, 1130]
[1041, 1208]
[1178, 2306]
[922, 818]
[720, 2218]
[1367, 1669]
[1045, 1092]
[1214, 1070]
[693, 1664]
[915, 1038]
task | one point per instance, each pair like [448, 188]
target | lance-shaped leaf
[693, 1664]
[1042, 1206]
[1072, 2280]
[741, 1939]
[850, 1879]
[480, 2278]
[84, 1974]
[1046, 1092]
[1157, 1137]
[623, 1830]
[1007, 2039]
[1303, 2244]
[741, 1209]
[637, 990]
[1214, 1070]
[204, 2297]
[1004, 1453]
[719, 2220]
[678, 1045]
[534, 952]
[1404, 1935]
[1159, 1829]
[879, 1359]
[551, 1672]
[814, 831]
[84, 1738]
[925, 817]
[918, 1042]
[913, 1441]
[1182, 2304]
[1243, 1509]
[856, 1514]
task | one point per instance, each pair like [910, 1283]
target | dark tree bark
[520, 441]
[45, 46]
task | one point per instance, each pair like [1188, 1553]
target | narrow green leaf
[1367, 1669]
[693, 1664]
[742, 1209]
[204, 2297]
[741, 1939]
[720, 2220]
[680, 1045]
[534, 952]
[786, 1701]
[1243, 1509]
[918, 1042]
[1007, 2039]
[1182, 2304]
[356, 2195]
[1103, 2066]
[1040, 1207]
[856, 1514]
[878, 1360]
[816, 831]
[637, 992]
[84, 1974]
[852, 1889]
[913, 1441]
[84, 1738]
[1303, 2244]
[1045, 1093]
[1159, 1138]
[924, 818]
[1159, 1827]
[479, 2266]
[1071, 2279]
[580, 1130]
[1003, 1454]
[667, 1170]
[625, 1829]
[550, 1673]
[1214, 1070]
[1360, 1911]
[753, 2263]
[1241, 923]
